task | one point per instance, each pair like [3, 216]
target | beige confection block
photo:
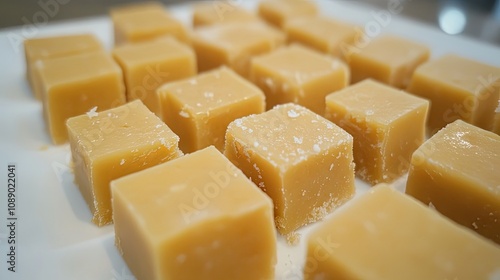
[114, 143]
[301, 160]
[278, 12]
[134, 23]
[39, 49]
[386, 235]
[388, 59]
[200, 109]
[456, 172]
[299, 75]
[73, 85]
[216, 224]
[148, 65]
[216, 12]
[234, 44]
[387, 124]
[322, 33]
[458, 88]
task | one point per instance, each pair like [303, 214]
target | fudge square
[278, 12]
[322, 33]
[200, 109]
[456, 172]
[458, 88]
[388, 125]
[73, 85]
[220, 12]
[388, 59]
[37, 49]
[299, 75]
[301, 160]
[385, 227]
[148, 65]
[234, 44]
[113, 143]
[134, 23]
[196, 217]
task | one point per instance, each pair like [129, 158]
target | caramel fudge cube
[299, 75]
[322, 33]
[114, 143]
[496, 120]
[134, 23]
[390, 60]
[39, 49]
[196, 217]
[388, 125]
[386, 235]
[301, 160]
[200, 109]
[456, 172]
[458, 88]
[234, 44]
[278, 12]
[148, 65]
[73, 85]
[217, 12]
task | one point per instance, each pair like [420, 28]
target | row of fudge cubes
[72, 74]
[217, 225]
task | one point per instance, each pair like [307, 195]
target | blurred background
[479, 19]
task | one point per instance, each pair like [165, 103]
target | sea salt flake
[92, 113]
[293, 114]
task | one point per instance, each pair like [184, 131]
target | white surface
[56, 239]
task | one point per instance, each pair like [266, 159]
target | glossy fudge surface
[387, 124]
[323, 34]
[387, 235]
[458, 88]
[134, 23]
[39, 49]
[278, 12]
[200, 109]
[69, 91]
[299, 75]
[196, 217]
[301, 160]
[234, 44]
[388, 59]
[110, 144]
[148, 65]
[210, 13]
[456, 172]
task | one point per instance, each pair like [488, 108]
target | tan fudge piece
[456, 171]
[234, 44]
[214, 225]
[386, 235]
[73, 85]
[114, 143]
[49, 47]
[299, 75]
[217, 12]
[388, 125]
[148, 65]
[322, 33]
[278, 12]
[458, 88]
[134, 23]
[388, 59]
[200, 109]
[301, 160]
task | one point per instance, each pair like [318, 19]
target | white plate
[55, 238]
